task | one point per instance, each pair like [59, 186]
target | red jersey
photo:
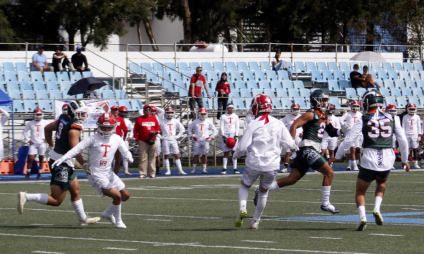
[226, 86]
[198, 84]
[143, 126]
[121, 128]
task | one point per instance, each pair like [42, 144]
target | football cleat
[182, 173]
[348, 168]
[193, 171]
[410, 158]
[378, 218]
[26, 177]
[127, 173]
[392, 168]
[283, 170]
[254, 224]
[255, 198]
[168, 173]
[110, 217]
[329, 208]
[355, 167]
[120, 225]
[204, 171]
[39, 176]
[21, 202]
[241, 215]
[224, 171]
[236, 172]
[417, 166]
[362, 225]
[89, 220]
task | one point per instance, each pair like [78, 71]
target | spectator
[224, 89]
[57, 63]
[279, 64]
[369, 81]
[356, 77]
[145, 130]
[79, 59]
[91, 94]
[195, 90]
[39, 61]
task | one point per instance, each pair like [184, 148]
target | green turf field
[196, 214]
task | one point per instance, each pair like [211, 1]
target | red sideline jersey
[121, 128]
[143, 126]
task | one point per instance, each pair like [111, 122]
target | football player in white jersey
[262, 139]
[37, 141]
[288, 120]
[103, 146]
[230, 126]
[411, 124]
[169, 127]
[350, 118]
[159, 114]
[330, 143]
[123, 112]
[250, 117]
[392, 110]
[201, 139]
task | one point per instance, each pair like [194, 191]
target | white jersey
[102, 152]
[130, 127]
[350, 118]
[169, 128]
[249, 118]
[288, 121]
[37, 131]
[201, 129]
[412, 124]
[4, 117]
[230, 125]
[334, 120]
[263, 142]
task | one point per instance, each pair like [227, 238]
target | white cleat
[110, 217]
[120, 224]
[89, 220]
[392, 168]
[21, 201]
[193, 171]
[241, 215]
[417, 166]
[378, 218]
[204, 171]
[168, 173]
[362, 225]
[284, 170]
[127, 174]
[348, 168]
[254, 224]
[182, 173]
[355, 167]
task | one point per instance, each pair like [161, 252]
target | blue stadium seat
[293, 92]
[305, 92]
[125, 103]
[373, 73]
[157, 67]
[62, 76]
[136, 105]
[41, 94]
[260, 76]
[120, 94]
[239, 85]
[299, 67]
[390, 100]
[301, 101]
[10, 76]
[22, 67]
[271, 75]
[298, 84]
[415, 75]
[1, 76]
[384, 91]
[263, 84]
[218, 66]
[416, 91]
[388, 83]
[403, 75]
[9, 67]
[15, 94]
[360, 91]
[281, 92]
[333, 86]
[401, 102]
[134, 68]
[275, 85]
[395, 92]
[87, 74]
[289, 66]
[168, 86]
[152, 77]
[393, 75]
[206, 66]
[407, 67]
[397, 66]
[245, 93]
[145, 68]
[322, 66]
[170, 66]
[30, 105]
[283, 75]
[65, 95]
[375, 66]
[45, 105]
[175, 76]
[265, 66]
[248, 76]
[186, 76]
[347, 75]
[316, 77]
[251, 85]
[36, 76]
[108, 94]
[327, 75]
[409, 84]
[413, 99]
[286, 103]
[23, 76]
[310, 66]
[75, 76]
[182, 66]
[113, 102]
[242, 66]
[344, 66]
[12, 85]
[55, 94]
[276, 104]
[230, 66]
[65, 85]
[18, 106]
[254, 66]
[178, 85]
[335, 102]
[332, 66]
[418, 67]
[26, 86]
[287, 84]
[387, 67]
[183, 94]
[421, 104]
[235, 76]
[399, 83]
[406, 92]
[257, 91]
[382, 75]
[50, 76]
[351, 64]
[365, 64]
[51, 86]
[269, 92]
[239, 103]
[2, 86]
[338, 75]
[351, 94]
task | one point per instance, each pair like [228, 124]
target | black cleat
[224, 171]
[39, 176]
[255, 199]
[158, 171]
[26, 177]
[236, 172]
[329, 208]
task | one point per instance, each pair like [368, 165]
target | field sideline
[196, 214]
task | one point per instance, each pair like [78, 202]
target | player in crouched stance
[378, 128]
[103, 146]
[263, 139]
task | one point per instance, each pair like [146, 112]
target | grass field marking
[180, 244]
[325, 214]
[385, 235]
[41, 224]
[327, 238]
[50, 252]
[113, 248]
[256, 241]
[157, 220]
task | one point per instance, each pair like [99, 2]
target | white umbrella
[368, 56]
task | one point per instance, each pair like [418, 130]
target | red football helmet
[38, 114]
[260, 104]
[295, 109]
[123, 111]
[169, 112]
[231, 142]
[391, 109]
[106, 125]
[203, 113]
[114, 108]
[65, 109]
[411, 108]
[355, 106]
[331, 109]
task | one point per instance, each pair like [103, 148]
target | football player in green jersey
[378, 157]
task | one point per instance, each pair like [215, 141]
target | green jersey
[65, 124]
[314, 129]
[378, 133]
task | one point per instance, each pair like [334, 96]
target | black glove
[151, 134]
[236, 138]
[224, 139]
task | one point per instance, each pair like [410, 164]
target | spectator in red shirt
[195, 90]
[146, 128]
[122, 131]
[224, 89]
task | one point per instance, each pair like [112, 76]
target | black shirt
[355, 82]
[77, 60]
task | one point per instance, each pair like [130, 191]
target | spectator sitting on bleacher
[57, 62]
[279, 64]
[224, 89]
[369, 81]
[356, 78]
[195, 91]
[39, 61]
[90, 93]
[78, 59]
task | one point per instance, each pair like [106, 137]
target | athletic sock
[327, 156]
[377, 203]
[194, 166]
[243, 195]
[224, 163]
[354, 162]
[79, 209]
[326, 195]
[357, 162]
[167, 166]
[274, 186]
[41, 198]
[234, 164]
[117, 212]
[178, 163]
[28, 170]
[203, 167]
[110, 210]
[362, 214]
[350, 163]
[262, 198]
[125, 164]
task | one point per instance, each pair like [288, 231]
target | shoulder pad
[77, 126]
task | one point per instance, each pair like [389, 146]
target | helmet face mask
[411, 108]
[78, 111]
[295, 109]
[331, 109]
[319, 100]
[106, 125]
[169, 113]
[391, 109]
[203, 114]
[372, 98]
[38, 114]
[65, 109]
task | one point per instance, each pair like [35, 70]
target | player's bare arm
[73, 141]
[48, 132]
[308, 116]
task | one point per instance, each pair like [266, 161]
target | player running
[314, 123]
[288, 120]
[263, 140]
[377, 128]
[68, 128]
[201, 139]
[411, 124]
[230, 126]
[350, 117]
[37, 141]
[123, 113]
[330, 143]
[169, 127]
[103, 146]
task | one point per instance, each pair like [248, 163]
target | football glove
[57, 162]
[345, 129]
[236, 138]
[294, 147]
[224, 139]
[86, 168]
[129, 158]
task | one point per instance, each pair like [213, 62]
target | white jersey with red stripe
[37, 131]
[412, 124]
[288, 121]
[201, 129]
[350, 118]
[230, 125]
[169, 128]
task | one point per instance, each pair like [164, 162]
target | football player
[330, 143]
[288, 120]
[392, 110]
[65, 109]
[123, 113]
[230, 127]
[159, 114]
[411, 124]
[122, 131]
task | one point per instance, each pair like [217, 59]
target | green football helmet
[319, 100]
[372, 98]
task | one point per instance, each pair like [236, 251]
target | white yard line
[385, 235]
[41, 224]
[256, 241]
[194, 245]
[49, 252]
[324, 214]
[157, 220]
[113, 248]
[327, 238]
